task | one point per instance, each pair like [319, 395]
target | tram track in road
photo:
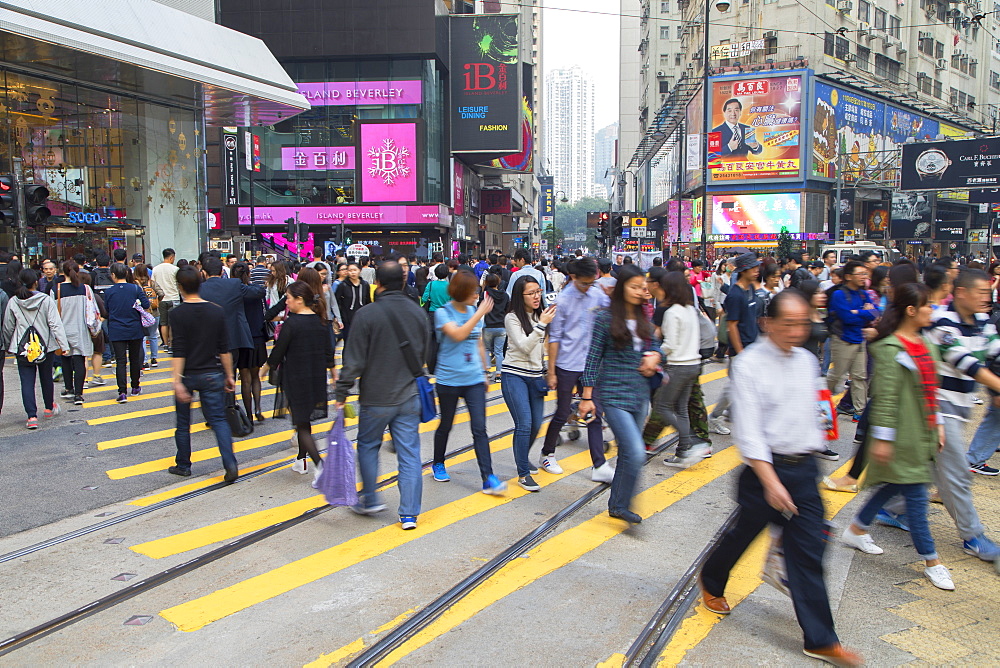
[419, 621]
[145, 585]
[166, 503]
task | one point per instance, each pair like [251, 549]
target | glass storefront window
[121, 171]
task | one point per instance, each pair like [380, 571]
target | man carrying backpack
[852, 310]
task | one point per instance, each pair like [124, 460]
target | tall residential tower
[568, 134]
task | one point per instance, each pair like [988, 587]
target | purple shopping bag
[338, 482]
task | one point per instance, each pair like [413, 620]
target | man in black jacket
[375, 353]
[229, 293]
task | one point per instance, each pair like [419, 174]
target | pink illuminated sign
[331, 93]
[317, 157]
[388, 162]
[421, 214]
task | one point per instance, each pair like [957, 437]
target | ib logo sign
[484, 77]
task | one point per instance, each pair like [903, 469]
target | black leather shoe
[231, 474]
[180, 470]
[627, 515]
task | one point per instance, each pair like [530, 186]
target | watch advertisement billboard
[755, 128]
[486, 96]
[756, 214]
[948, 231]
[876, 222]
[962, 163]
[911, 216]
[388, 161]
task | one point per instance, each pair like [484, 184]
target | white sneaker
[603, 473]
[716, 427]
[317, 472]
[550, 465]
[861, 542]
[940, 577]
[300, 466]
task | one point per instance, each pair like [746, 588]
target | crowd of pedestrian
[621, 347]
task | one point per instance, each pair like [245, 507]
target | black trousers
[804, 542]
[133, 350]
[74, 373]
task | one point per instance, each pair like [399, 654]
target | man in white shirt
[780, 434]
[829, 263]
[165, 276]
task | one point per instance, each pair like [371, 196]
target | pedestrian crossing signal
[8, 202]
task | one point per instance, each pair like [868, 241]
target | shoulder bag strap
[404, 343]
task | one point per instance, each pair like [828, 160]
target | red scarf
[928, 377]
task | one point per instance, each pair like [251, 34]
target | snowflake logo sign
[389, 161]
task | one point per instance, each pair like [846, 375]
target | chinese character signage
[388, 162]
[756, 214]
[486, 97]
[256, 151]
[755, 129]
[336, 93]
[738, 50]
[353, 215]
[317, 157]
[458, 196]
[231, 165]
[965, 163]
[693, 122]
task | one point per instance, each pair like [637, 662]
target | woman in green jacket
[904, 428]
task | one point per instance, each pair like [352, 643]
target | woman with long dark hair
[303, 342]
[681, 330]
[32, 309]
[524, 386]
[461, 373]
[904, 436]
[351, 295]
[125, 330]
[276, 282]
[250, 360]
[153, 293]
[72, 296]
[622, 356]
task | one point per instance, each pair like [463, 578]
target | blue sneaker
[440, 474]
[493, 485]
[883, 516]
[408, 522]
[982, 547]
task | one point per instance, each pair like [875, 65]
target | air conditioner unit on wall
[845, 5]
[850, 58]
[942, 64]
[925, 34]
[770, 34]
[864, 29]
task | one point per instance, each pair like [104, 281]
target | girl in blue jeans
[524, 386]
[904, 431]
[622, 356]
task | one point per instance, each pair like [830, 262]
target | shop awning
[144, 47]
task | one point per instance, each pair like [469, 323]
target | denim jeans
[526, 406]
[475, 401]
[627, 428]
[153, 336]
[987, 437]
[26, 371]
[566, 383]
[916, 514]
[403, 421]
[493, 339]
[211, 389]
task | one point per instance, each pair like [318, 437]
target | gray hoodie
[40, 311]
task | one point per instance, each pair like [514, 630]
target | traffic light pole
[20, 237]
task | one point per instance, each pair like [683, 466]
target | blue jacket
[124, 322]
[845, 300]
[229, 293]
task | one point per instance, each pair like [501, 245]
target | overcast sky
[589, 40]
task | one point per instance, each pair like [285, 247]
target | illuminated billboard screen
[755, 130]
[756, 214]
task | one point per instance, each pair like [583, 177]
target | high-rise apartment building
[605, 146]
[568, 134]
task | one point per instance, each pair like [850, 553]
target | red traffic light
[604, 215]
[6, 183]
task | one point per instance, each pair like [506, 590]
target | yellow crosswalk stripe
[569, 546]
[197, 613]
[744, 579]
[228, 529]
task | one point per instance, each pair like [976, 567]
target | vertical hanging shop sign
[231, 164]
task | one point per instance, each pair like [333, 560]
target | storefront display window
[121, 171]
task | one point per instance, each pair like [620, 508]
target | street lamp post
[723, 6]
